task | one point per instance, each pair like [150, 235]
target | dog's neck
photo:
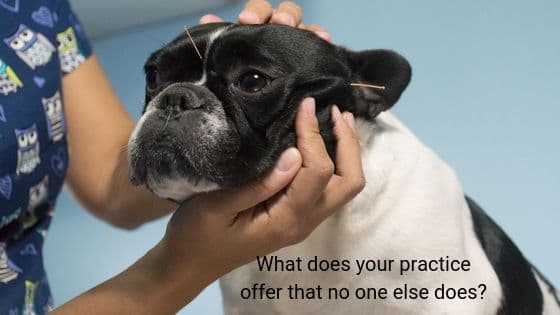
[380, 142]
[392, 157]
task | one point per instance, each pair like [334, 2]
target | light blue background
[483, 96]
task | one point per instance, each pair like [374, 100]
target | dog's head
[223, 120]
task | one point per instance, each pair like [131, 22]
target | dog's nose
[180, 98]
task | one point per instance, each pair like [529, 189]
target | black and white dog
[223, 120]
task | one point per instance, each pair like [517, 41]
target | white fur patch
[180, 189]
[211, 38]
[202, 80]
[132, 140]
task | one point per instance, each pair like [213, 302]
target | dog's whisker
[194, 44]
[373, 86]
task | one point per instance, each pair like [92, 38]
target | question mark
[483, 290]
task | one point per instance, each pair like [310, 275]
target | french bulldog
[222, 119]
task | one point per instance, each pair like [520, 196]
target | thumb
[249, 195]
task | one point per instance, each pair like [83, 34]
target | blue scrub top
[40, 42]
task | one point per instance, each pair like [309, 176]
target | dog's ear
[384, 68]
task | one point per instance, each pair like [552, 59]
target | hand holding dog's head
[224, 120]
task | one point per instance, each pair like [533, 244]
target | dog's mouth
[167, 170]
[177, 188]
[181, 154]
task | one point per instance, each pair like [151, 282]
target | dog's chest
[412, 208]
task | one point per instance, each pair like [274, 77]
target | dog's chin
[178, 189]
[166, 172]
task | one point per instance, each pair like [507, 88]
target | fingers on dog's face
[349, 179]
[210, 18]
[317, 167]
[256, 12]
[249, 195]
[261, 11]
[288, 13]
[321, 187]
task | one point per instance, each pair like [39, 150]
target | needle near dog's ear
[192, 41]
[378, 87]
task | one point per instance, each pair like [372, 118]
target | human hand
[217, 232]
[261, 11]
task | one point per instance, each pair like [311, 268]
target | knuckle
[326, 169]
[311, 141]
[312, 133]
[357, 185]
[352, 187]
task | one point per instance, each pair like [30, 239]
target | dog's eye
[252, 82]
[152, 79]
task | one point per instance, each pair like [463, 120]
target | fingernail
[284, 18]
[335, 113]
[324, 35]
[248, 17]
[308, 105]
[287, 160]
[350, 120]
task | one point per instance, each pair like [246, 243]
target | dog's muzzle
[183, 137]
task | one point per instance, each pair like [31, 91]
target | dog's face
[223, 120]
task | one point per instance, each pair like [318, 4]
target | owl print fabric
[40, 42]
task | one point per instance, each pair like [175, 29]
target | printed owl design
[38, 193]
[69, 51]
[55, 117]
[28, 150]
[37, 196]
[7, 274]
[9, 81]
[33, 48]
[29, 304]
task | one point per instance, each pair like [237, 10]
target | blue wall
[483, 96]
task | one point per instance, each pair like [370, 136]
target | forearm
[99, 178]
[150, 286]
[98, 132]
